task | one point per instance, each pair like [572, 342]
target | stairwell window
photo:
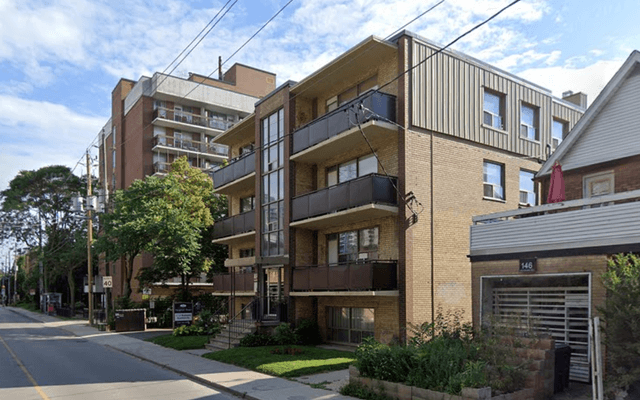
[493, 178]
[529, 122]
[493, 115]
[528, 189]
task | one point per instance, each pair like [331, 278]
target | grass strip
[180, 342]
[313, 360]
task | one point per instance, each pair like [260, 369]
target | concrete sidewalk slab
[236, 380]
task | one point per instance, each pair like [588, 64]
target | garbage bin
[562, 367]
[130, 320]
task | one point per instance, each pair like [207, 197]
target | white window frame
[588, 179]
[535, 192]
[498, 121]
[529, 128]
[502, 178]
[554, 138]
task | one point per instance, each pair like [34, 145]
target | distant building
[319, 228]
[546, 262]
[156, 120]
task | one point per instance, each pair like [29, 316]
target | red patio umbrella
[556, 185]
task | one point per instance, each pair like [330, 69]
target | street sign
[107, 282]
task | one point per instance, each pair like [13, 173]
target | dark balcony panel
[300, 207]
[318, 203]
[338, 197]
[318, 132]
[361, 192]
[385, 276]
[384, 190]
[300, 139]
[235, 225]
[244, 282]
[301, 279]
[336, 122]
[319, 278]
[360, 276]
[249, 220]
[227, 226]
[339, 277]
[235, 170]
[226, 282]
[222, 283]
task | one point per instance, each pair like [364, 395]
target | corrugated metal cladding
[615, 132]
[447, 97]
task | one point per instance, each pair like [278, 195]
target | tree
[184, 228]
[72, 256]
[622, 320]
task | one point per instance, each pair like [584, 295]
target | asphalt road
[38, 362]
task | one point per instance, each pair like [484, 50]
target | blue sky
[60, 59]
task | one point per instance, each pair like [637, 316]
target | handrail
[243, 324]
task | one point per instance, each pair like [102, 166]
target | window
[558, 131]
[350, 325]
[599, 184]
[273, 184]
[161, 106]
[332, 103]
[493, 177]
[528, 189]
[529, 122]
[493, 109]
[355, 91]
[247, 253]
[248, 149]
[247, 204]
[351, 246]
[352, 169]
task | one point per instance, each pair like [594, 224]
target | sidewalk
[229, 378]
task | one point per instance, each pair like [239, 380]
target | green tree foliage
[622, 320]
[70, 257]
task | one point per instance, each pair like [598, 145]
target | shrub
[208, 322]
[308, 332]
[284, 334]
[189, 330]
[257, 340]
[360, 391]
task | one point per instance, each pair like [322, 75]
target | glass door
[273, 290]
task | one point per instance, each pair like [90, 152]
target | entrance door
[273, 291]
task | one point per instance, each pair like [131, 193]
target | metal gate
[562, 312]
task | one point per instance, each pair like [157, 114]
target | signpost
[182, 313]
[107, 283]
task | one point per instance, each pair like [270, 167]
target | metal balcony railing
[235, 225]
[373, 188]
[190, 145]
[357, 276]
[337, 121]
[236, 169]
[193, 119]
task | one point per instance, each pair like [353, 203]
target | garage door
[562, 312]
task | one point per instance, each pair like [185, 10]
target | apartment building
[351, 192]
[160, 118]
[546, 262]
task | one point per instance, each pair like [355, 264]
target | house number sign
[528, 265]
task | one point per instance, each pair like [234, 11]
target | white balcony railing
[602, 221]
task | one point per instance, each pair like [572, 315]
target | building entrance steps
[239, 329]
[229, 378]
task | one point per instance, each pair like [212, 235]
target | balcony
[174, 145]
[334, 133]
[582, 225]
[233, 228]
[365, 198]
[244, 282]
[180, 119]
[238, 175]
[370, 275]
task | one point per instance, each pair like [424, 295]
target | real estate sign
[182, 313]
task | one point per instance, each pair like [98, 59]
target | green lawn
[313, 360]
[180, 342]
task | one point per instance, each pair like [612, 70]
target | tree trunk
[72, 291]
[128, 272]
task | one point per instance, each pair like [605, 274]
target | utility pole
[89, 238]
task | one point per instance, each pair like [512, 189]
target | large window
[247, 204]
[273, 184]
[493, 109]
[493, 178]
[350, 325]
[352, 245]
[558, 130]
[528, 189]
[529, 122]
[352, 169]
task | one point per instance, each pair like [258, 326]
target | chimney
[220, 67]
[579, 99]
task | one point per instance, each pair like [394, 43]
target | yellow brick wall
[595, 264]
[234, 199]
[248, 243]
[457, 196]
[304, 247]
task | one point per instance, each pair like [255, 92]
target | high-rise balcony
[336, 132]
[361, 199]
[366, 275]
[238, 175]
[173, 145]
[241, 282]
[180, 119]
[236, 227]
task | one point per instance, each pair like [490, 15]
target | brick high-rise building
[366, 242]
[158, 119]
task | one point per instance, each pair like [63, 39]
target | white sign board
[107, 282]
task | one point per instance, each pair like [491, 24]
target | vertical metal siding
[448, 98]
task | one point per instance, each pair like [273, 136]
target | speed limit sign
[107, 282]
